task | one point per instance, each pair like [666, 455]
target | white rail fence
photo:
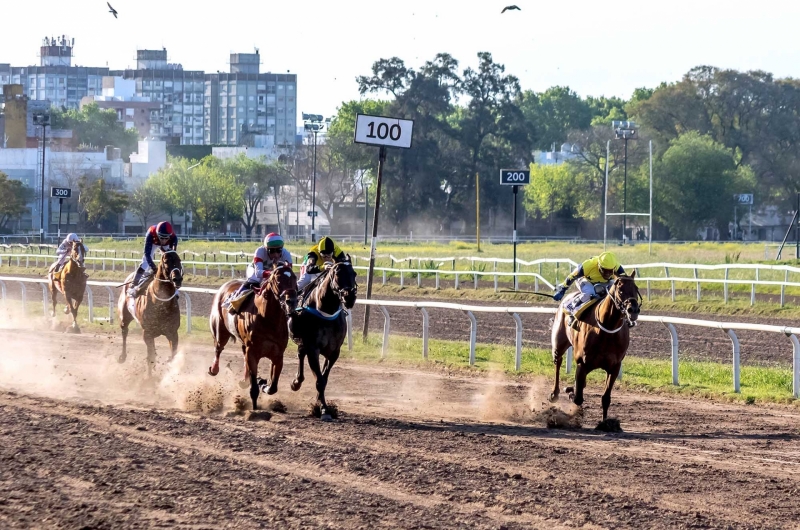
[670, 323]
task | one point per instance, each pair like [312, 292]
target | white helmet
[73, 237]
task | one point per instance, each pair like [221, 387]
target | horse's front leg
[313, 364]
[606, 399]
[53, 299]
[275, 372]
[326, 372]
[150, 342]
[300, 377]
[172, 338]
[576, 394]
[73, 306]
[252, 367]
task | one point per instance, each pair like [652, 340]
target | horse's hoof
[66, 311]
[326, 417]
[295, 386]
[553, 397]
[570, 390]
[271, 391]
[244, 384]
[76, 330]
[121, 358]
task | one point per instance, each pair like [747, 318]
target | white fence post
[569, 359]
[425, 324]
[518, 355]
[736, 367]
[188, 300]
[349, 331]
[90, 299]
[44, 298]
[673, 334]
[386, 324]
[24, 296]
[473, 334]
[795, 365]
[3, 292]
[110, 305]
[456, 284]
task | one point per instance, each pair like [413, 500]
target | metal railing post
[24, 295]
[386, 324]
[110, 304]
[188, 312]
[90, 300]
[569, 360]
[44, 298]
[795, 365]
[725, 286]
[518, 342]
[673, 334]
[736, 366]
[473, 334]
[349, 331]
[425, 324]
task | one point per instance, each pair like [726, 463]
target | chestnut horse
[71, 282]
[156, 310]
[602, 340]
[321, 326]
[260, 325]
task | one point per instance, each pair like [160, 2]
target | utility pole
[478, 209]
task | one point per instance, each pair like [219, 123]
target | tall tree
[95, 128]
[100, 204]
[144, 201]
[554, 113]
[14, 197]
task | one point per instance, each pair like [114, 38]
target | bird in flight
[114, 11]
[510, 8]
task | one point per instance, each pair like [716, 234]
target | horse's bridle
[341, 293]
[273, 280]
[169, 279]
[621, 304]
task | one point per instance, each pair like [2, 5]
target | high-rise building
[246, 107]
[55, 79]
[179, 91]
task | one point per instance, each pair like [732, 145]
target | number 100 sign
[380, 130]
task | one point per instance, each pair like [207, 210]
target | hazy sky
[596, 47]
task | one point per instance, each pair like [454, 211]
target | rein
[619, 305]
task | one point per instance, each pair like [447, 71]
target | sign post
[383, 132]
[61, 193]
[745, 199]
[515, 178]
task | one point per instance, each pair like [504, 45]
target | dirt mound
[276, 405]
[316, 410]
[555, 418]
[257, 415]
[609, 425]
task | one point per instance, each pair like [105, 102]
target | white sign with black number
[515, 177]
[380, 130]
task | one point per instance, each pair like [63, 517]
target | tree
[697, 180]
[553, 113]
[14, 197]
[144, 201]
[100, 204]
[95, 128]
[254, 179]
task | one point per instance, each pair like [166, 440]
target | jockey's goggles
[274, 250]
[326, 255]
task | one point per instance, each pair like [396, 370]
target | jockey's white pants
[62, 260]
[254, 274]
[305, 278]
[588, 291]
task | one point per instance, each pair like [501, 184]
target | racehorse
[260, 326]
[156, 310]
[71, 282]
[320, 326]
[601, 341]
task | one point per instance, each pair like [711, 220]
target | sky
[595, 47]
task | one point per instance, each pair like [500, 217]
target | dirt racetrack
[88, 443]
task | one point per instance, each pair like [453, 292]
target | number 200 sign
[380, 130]
[515, 177]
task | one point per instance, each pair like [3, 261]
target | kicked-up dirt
[88, 443]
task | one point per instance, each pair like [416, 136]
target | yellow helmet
[608, 261]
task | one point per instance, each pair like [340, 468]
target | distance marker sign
[61, 193]
[380, 130]
[515, 177]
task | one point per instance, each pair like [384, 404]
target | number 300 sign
[380, 130]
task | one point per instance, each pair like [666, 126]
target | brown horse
[260, 325]
[321, 326]
[602, 339]
[71, 282]
[156, 310]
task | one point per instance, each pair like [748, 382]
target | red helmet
[164, 230]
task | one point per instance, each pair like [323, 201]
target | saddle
[572, 304]
[236, 303]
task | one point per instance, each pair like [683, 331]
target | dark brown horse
[321, 326]
[260, 325]
[602, 339]
[71, 282]
[156, 310]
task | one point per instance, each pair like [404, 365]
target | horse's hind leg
[580, 384]
[275, 372]
[252, 367]
[606, 400]
[53, 298]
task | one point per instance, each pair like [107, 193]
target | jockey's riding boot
[572, 322]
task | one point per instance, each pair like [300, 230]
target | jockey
[64, 249]
[326, 252]
[594, 277]
[158, 237]
[264, 258]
